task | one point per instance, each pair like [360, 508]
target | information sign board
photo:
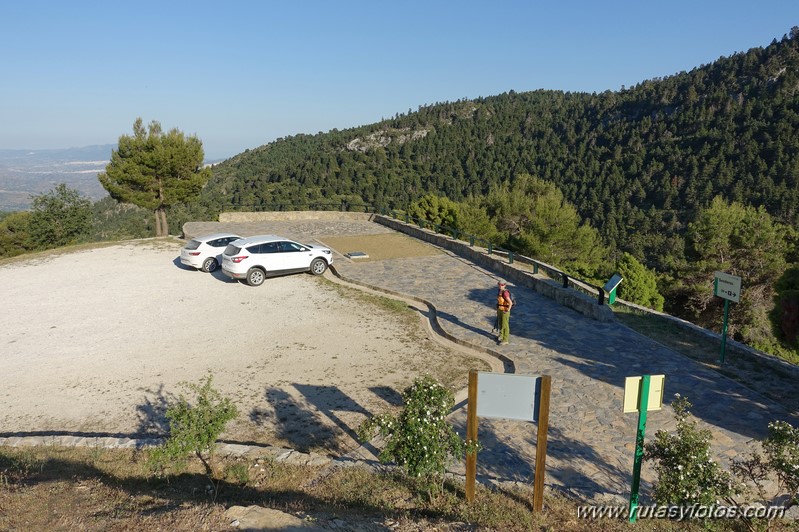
[632, 393]
[613, 282]
[727, 287]
[506, 396]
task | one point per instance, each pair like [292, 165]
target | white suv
[257, 257]
[205, 252]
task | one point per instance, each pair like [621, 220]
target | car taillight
[239, 258]
[194, 253]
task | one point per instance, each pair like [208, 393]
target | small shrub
[239, 472]
[193, 428]
[782, 452]
[419, 439]
[686, 473]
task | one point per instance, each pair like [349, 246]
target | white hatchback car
[205, 252]
[257, 257]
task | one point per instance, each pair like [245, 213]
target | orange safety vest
[502, 303]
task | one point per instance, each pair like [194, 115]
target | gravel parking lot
[97, 341]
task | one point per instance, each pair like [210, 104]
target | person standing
[504, 304]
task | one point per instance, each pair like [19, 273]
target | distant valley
[28, 172]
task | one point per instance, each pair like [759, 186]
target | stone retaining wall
[582, 303]
[733, 348]
[290, 216]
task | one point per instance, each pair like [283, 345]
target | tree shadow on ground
[506, 458]
[151, 415]
[304, 423]
[387, 394]
[151, 412]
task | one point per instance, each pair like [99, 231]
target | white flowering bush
[419, 439]
[782, 452]
[686, 472]
[781, 449]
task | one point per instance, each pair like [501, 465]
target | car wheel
[255, 277]
[209, 264]
[318, 266]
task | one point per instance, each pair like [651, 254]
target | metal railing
[564, 278]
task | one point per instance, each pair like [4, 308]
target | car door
[269, 257]
[294, 256]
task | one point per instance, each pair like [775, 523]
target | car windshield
[232, 250]
[194, 244]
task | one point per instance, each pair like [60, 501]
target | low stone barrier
[734, 348]
[290, 216]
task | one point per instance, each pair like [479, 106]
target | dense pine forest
[666, 182]
[637, 163]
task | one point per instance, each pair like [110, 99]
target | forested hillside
[637, 164]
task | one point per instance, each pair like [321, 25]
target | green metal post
[643, 405]
[471, 240]
[535, 267]
[724, 331]
[510, 257]
[490, 248]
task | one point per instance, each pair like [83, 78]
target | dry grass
[381, 246]
[50, 488]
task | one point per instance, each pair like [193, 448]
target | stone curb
[278, 454]
[508, 362]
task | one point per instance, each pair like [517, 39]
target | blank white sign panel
[504, 396]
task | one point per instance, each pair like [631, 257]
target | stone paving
[590, 441]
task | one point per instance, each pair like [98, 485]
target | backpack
[510, 296]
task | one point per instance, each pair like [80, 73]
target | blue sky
[240, 74]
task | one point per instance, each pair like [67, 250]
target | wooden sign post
[507, 396]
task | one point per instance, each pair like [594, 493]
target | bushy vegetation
[686, 473]
[639, 283]
[194, 427]
[419, 438]
[59, 217]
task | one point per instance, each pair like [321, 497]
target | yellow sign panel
[632, 393]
